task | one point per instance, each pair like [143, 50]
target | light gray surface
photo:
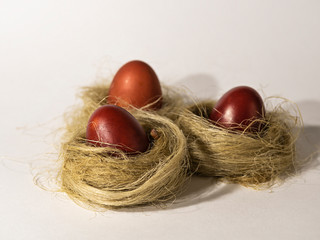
[48, 49]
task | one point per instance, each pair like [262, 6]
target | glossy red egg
[135, 84]
[238, 108]
[113, 126]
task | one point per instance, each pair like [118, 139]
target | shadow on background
[308, 143]
[203, 189]
[201, 86]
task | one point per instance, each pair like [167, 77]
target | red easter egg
[113, 126]
[238, 108]
[135, 84]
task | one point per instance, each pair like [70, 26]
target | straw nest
[255, 160]
[106, 178]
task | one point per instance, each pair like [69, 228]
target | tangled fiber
[106, 178]
[255, 160]
[186, 142]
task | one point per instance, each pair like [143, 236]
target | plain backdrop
[49, 49]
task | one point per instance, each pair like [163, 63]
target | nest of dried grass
[255, 160]
[106, 178]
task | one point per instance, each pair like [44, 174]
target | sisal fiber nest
[106, 178]
[256, 160]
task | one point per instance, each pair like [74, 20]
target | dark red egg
[113, 126]
[135, 84]
[239, 108]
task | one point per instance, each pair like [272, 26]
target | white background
[48, 49]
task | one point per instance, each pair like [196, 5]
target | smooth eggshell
[135, 84]
[238, 108]
[113, 126]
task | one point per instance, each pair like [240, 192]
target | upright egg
[239, 108]
[136, 84]
[113, 126]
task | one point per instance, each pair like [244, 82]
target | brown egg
[135, 84]
[113, 126]
[238, 108]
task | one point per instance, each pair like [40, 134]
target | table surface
[49, 49]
